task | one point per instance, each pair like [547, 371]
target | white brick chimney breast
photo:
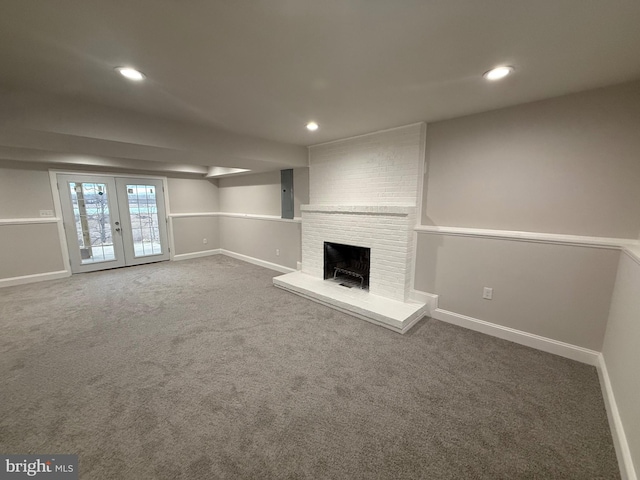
[364, 191]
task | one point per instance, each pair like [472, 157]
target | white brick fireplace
[386, 230]
[364, 192]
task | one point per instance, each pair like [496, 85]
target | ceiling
[264, 68]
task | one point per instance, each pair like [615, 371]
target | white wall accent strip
[536, 237]
[194, 214]
[545, 344]
[253, 216]
[203, 253]
[627, 470]
[23, 221]
[257, 261]
[38, 277]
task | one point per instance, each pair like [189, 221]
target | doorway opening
[113, 222]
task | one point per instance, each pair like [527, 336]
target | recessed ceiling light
[131, 73]
[312, 126]
[498, 73]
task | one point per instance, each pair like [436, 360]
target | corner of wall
[623, 453]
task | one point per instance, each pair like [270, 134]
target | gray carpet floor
[202, 369]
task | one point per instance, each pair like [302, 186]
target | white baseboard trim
[204, 253]
[625, 462]
[257, 261]
[423, 297]
[574, 352]
[38, 277]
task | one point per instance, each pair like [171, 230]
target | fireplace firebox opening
[347, 264]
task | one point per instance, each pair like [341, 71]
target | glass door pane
[141, 203]
[143, 214]
[90, 203]
[91, 221]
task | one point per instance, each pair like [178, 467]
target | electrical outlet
[487, 293]
[204, 240]
[277, 252]
[46, 213]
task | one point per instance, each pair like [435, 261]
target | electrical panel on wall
[286, 187]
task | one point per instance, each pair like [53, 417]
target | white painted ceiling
[264, 68]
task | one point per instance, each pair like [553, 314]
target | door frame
[57, 205]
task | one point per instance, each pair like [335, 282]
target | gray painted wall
[188, 195]
[259, 194]
[556, 291]
[260, 238]
[567, 165]
[621, 352]
[24, 192]
[194, 196]
[33, 248]
[29, 249]
[189, 233]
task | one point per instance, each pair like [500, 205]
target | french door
[113, 221]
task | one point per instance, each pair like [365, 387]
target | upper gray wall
[259, 194]
[567, 165]
[23, 193]
[193, 195]
[256, 194]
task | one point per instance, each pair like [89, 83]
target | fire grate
[347, 264]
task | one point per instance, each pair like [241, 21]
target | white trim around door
[130, 207]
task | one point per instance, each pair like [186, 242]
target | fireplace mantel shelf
[361, 209]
